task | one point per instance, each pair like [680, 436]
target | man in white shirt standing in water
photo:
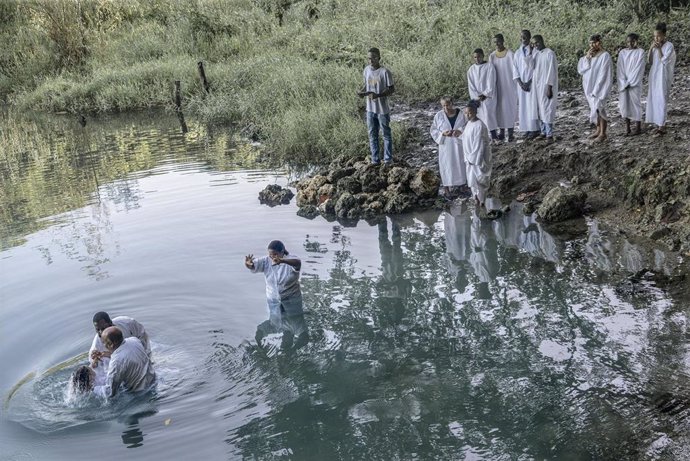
[378, 85]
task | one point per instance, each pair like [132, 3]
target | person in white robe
[545, 83]
[481, 82]
[631, 61]
[596, 68]
[446, 130]
[476, 146]
[130, 367]
[523, 70]
[283, 293]
[129, 327]
[662, 57]
[506, 95]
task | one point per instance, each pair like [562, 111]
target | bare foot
[601, 138]
[594, 135]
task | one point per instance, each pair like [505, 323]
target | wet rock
[372, 180]
[349, 184]
[327, 207]
[668, 212]
[425, 183]
[660, 233]
[530, 207]
[561, 204]
[345, 203]
[309, 212]
[336, 174]
[273, 195]
[398, 175]
[400, 203]
[326, 191]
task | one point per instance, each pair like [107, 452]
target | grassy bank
[285, 73]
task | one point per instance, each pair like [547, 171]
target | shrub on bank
[286, 72]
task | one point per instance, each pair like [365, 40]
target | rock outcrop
[273, 195]
[350, 189]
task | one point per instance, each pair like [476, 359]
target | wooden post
[178, 98]
[202, 76]
[178, 107]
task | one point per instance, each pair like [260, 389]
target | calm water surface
[432, 335]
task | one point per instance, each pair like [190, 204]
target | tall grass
[291, 85]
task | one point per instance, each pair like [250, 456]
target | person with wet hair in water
[83, 379]
[283, 293]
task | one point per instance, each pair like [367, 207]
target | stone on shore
[562, 203]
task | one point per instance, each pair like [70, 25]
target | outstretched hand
[249, 261]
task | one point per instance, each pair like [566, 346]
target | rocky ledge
[352, 188]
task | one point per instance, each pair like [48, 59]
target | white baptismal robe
[523, 69]
[476, 145]
[129, 367]
[545, 74]
[481, 80]
[129, 328]
[630, 72]
[660, 80]
[506, 101]
[597, 79]
[451, 161]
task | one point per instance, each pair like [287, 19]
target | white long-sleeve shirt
[129, 367]
[129, 328]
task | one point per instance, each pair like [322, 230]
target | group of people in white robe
[120, 358]
[596, 68]
[522, 87]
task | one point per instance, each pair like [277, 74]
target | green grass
[292, 86]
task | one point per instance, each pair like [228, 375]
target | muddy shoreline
[638, 185]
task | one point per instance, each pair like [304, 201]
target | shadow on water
[479, 339]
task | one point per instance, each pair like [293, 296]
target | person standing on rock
[630, 72]
[662, 56]
[446, 130]
[523, 69]
[476, 146]
[481, 82]
[506, 101]
[378, 85]
[596, 68]
[545, 83]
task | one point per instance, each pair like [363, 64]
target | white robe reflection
[456, 226]
[537, 242]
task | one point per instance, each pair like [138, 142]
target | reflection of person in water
[484, 256]
[393, 288]
[456, 225]
[283, 294]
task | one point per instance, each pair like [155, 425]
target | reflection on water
[429, 335]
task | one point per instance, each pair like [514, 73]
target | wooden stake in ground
[202, 76]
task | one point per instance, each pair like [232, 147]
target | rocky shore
[639, 185]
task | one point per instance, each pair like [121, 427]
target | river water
[433, 335]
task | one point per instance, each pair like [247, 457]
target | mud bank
[639, 185]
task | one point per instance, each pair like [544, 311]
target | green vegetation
[285, 71]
